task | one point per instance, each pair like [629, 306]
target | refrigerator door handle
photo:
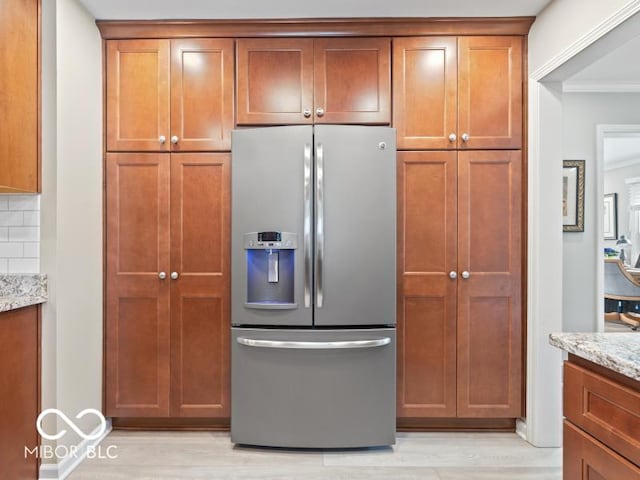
[308, 271]
[250, 342]
[319, 224]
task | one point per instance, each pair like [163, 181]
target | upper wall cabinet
[169, 95]
[463, 93]
[301, 80]
[20, 96]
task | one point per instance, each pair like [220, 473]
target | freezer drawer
[313, 388]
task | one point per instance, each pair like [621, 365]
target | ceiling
[618, 70]
[621, 151]
[614, 71]
[220, 9]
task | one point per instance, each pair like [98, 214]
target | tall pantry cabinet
[169, 107]
[458, 111]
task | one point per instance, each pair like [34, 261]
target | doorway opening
[618, 171]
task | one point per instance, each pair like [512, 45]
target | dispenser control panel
[269, 236]
[270, 240]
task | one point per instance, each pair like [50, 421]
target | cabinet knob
[174, 275]
[453, 275]
[320, 111]
[162, 275]
[465, 274]
[452, 137]
[465, 137]
[162, 139]
[175, 139]
[306, 112]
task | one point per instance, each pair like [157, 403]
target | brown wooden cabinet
[458, 93]
[459, 270]
[167, 317]
[19, 391]
[200, 296]
[585, 458]
[169, 95]
[602, 427]
[274, 81]
[427, 297]
[20, 99]
[460, 204]
[303, 80]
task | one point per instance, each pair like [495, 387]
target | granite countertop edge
[619, 352]
[12, 303]
[22, 290]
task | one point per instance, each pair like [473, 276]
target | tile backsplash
[19, 233]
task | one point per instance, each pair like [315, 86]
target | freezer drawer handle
[250, 342]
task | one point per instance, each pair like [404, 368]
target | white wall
[79, 291]
[48, 207]
[581, 113]
[562, 30]
[614, 182]
[72, 214]
[544, 257]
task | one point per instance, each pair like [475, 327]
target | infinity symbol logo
[74, 427]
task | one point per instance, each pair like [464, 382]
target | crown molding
[604, 27]
[316, 27]
[601, 87]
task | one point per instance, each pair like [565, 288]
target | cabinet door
[490, 92]
[585, 458]
[19, 391]
[604, 408]
[137, 315]
[201, 94]
[489, 300]
[200, 205]
[20, 99]
[352, 80]
[274, 81]
[425, 81]
[137, 95]
[426, 292]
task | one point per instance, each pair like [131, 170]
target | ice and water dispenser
[270, 263]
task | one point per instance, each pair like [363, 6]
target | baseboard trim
[521, 428]
[456, 424]
[171, 423]
[62, 470]
[403, 424]
[48, 471]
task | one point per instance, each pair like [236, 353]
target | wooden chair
[621, 286]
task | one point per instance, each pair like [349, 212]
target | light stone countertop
[619, 352]
[22, 290]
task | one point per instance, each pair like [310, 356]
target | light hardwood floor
[424, 456]
[618, 327]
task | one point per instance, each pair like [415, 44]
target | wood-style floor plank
[423, 456]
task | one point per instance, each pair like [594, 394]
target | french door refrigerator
[313, 286]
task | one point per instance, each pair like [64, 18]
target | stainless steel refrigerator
[313, 286]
